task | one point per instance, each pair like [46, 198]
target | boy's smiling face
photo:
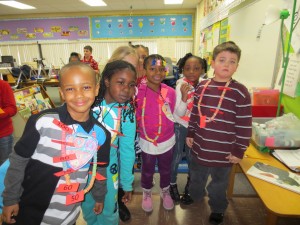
[79, 88]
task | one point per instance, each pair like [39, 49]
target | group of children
[82, 152]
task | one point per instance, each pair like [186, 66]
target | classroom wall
[57, 52]
[256, 68]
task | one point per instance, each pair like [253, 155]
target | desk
[9, 78]
[278, 201]
[12, 81]
[50, 83]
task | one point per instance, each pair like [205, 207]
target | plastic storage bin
[280, 132]
[265, 97]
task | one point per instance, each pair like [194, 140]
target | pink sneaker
[147, 200]
[166, 197]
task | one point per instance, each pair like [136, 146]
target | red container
[265, 97]
[265, 110]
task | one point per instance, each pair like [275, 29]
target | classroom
[217, 142]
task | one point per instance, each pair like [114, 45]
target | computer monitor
[8, 59]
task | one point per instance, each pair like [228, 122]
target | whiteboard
[256, 67]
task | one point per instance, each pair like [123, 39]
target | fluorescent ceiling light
[173, 2]
[94, 2]
[16, 4]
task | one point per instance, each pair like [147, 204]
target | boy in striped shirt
[219, 130]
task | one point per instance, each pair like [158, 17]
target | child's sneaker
[147, 200]
[216, 218]
[166, 197]
[174, 193]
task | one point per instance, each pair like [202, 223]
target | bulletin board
[45, 29]
[142, 26]
[211, 37]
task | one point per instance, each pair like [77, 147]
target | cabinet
[30, 100]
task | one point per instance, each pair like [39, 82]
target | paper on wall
[292, 76]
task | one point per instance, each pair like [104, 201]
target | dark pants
[164, 168]
[216, 188]
[180, 136]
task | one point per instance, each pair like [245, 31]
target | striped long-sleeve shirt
[31, 181]
[229, 132]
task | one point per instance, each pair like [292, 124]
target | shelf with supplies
[30, 100]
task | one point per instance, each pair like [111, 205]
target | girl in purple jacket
[155, 107]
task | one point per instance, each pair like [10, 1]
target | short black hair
[183, 60]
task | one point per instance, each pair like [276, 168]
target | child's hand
[98, 207]
[189, 141]
[232, 159]
[185, 87]
[9, 212]
[127, 197]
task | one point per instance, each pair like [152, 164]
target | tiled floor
[241, 211]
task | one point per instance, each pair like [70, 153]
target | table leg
[231, 181]
[271, 218]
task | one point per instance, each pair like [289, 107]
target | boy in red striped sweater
[219, 130]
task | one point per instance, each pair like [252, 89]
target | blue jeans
[6, 146]
[216, 188]
[180, 136]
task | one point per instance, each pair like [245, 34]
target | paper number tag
[77, 197]
[73, 187]
[202, 121]
[65, 158]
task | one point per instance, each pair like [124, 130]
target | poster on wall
[45, 29]
[224, 31]
[141, 26]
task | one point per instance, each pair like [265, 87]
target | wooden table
[51, 83]
[9, 78]
[278, 201]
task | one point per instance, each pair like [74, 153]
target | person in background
[47, 175]
[191, 67]
[155, 107]
[219, 130]
[88, 58]
[127, 54]
[143, 52]
[7, 110]
[74, 57]
[114, 108]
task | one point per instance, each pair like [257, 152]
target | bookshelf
[29, 100]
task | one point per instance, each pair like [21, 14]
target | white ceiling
[69, 6]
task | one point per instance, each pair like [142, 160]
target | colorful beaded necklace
[116, 129]
[154, 140]
[207, 120]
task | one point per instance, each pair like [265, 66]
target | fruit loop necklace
[154, 140]
[204, 119]
[118, 120]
